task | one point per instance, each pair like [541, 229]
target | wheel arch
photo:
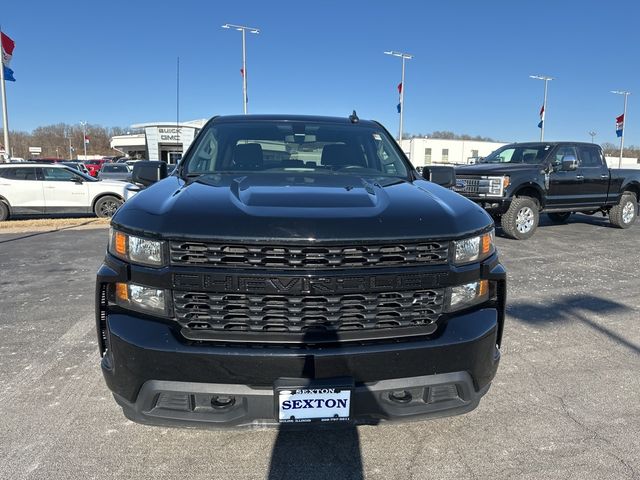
[6, 202]
[532, 190]
[633, 187]
[105, 194]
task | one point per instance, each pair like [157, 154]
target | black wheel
[521, 220]
[4, 211]
[624, 213]
[107, 206]
[560, 217]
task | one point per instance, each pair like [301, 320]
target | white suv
[29, 189]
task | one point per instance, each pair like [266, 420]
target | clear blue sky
[113, 63]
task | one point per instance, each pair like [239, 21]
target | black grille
[470, 185]
[281, 256]
[101, 312]
[301, 313]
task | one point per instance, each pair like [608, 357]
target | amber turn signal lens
[484, 288]
[122, 292]
[120, 243]
[486, 244]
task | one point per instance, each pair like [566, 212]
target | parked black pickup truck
[296, 269]
[519, 181]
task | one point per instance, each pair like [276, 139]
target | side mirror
[569, 163]
[440, 174]
[77, 179]
[147, 173]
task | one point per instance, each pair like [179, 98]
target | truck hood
[495, 168]
[295, 206]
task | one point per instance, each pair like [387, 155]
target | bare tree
[54, 140]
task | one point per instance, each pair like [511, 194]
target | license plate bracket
[310, 401]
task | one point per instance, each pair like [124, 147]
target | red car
[94, 166]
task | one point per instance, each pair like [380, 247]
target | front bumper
[160, 379]
[494, 205]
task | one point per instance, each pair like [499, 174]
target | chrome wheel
[628, 212]
[525, 220]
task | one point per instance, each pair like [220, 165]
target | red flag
[242, 72]
[86, 139]
[400, 88]
[7, 48]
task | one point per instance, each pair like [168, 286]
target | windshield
[84, 176]
[518, 154]
[115, 168]
[284, 146]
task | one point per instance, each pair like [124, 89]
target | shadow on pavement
[573, 308]
[318, 453]
[597, 220]
[312, 451]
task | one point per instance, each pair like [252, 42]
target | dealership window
[427, 156]
[445, 155]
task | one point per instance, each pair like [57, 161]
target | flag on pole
[7, 48]
[400, 88]
[541, 122]
[619, 125]
[86, 140]
[399, 107]
[242, 72]
[8, 74]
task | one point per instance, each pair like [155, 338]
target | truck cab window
[562, 152]
[590, 157]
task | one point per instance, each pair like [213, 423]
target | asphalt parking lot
[565, 403]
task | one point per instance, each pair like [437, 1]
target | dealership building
[165, 141]
[425, 151]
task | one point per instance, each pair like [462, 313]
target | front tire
[106, 207]
[521, 220]
[624, 213]
[560, 217]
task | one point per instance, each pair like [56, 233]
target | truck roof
[561, 142]
[290, 118]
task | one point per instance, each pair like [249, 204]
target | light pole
[84, 138]
[593, 133]
[543, 112]
[243, 29]
[404, 56]
[624, 120]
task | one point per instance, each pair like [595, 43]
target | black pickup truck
[297, 269]
[519, 181]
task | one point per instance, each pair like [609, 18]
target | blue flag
[8, 74]
[399, 106]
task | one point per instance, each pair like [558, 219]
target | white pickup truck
[36, 189]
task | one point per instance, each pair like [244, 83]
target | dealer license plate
[326, 404]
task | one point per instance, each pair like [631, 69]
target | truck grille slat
[298, 313]
[358, 256]
[470, 185]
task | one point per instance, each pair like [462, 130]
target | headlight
[144, 299]
[136, 249]
[467, 295]
[497, 185]
[473, 249]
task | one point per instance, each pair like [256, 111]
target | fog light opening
[400, 396]
[223, 401]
